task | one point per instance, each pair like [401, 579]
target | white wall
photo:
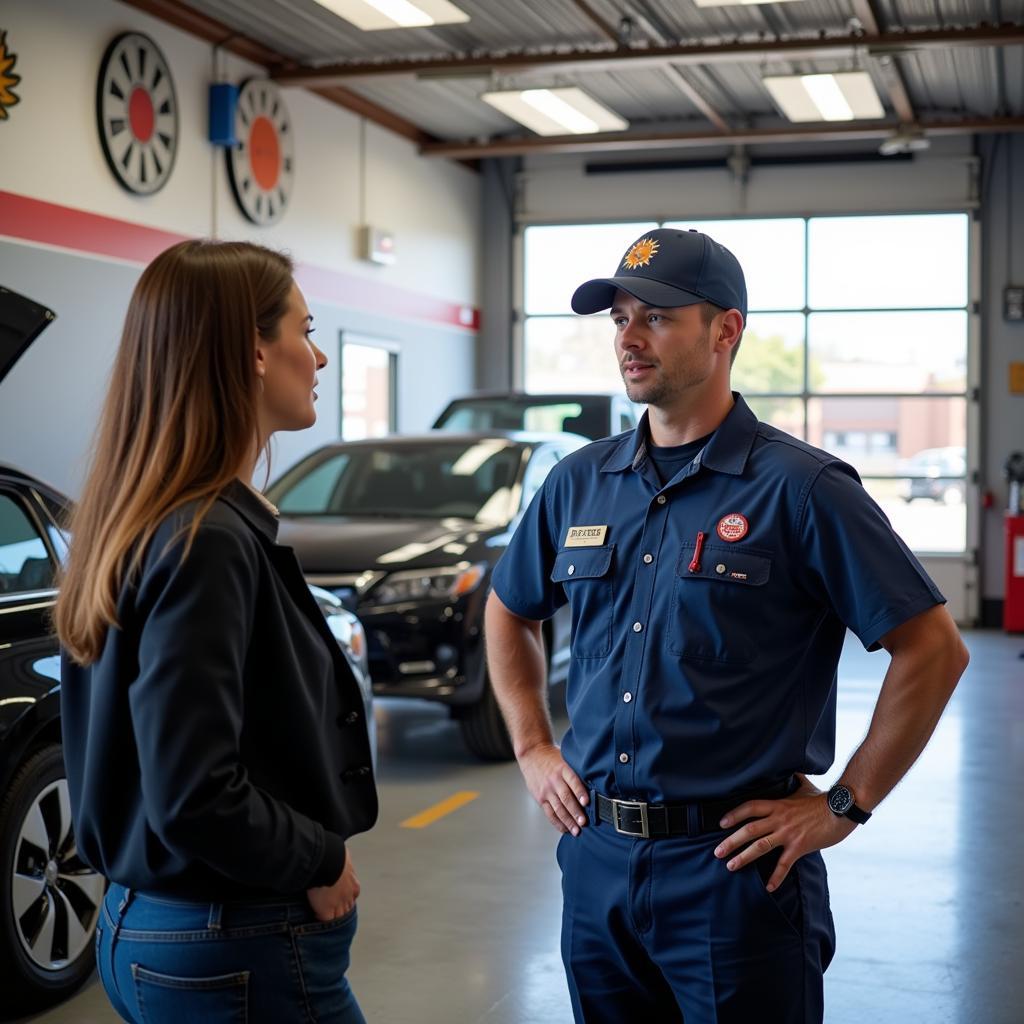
[557, 189]
[50, 150]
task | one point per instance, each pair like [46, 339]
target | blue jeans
[166, 960]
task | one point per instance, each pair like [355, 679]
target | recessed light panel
[848, 96]
[373, 15]
[563, 111]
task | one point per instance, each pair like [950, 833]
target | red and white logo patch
[733, 527]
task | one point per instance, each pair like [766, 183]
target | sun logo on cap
[641, 254]
[7, 81]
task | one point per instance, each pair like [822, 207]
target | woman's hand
[330, 902]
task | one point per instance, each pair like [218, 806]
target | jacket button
[348, 719]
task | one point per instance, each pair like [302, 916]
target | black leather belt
[651, 821]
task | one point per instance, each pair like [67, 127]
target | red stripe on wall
[34, 220]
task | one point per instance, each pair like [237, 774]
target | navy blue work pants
[166, 961]
[660, 931]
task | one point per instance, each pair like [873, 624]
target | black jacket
[218, 748]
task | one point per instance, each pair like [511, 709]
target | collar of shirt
[726, 452]
[257, 511]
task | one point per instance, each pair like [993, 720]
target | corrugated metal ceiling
[962, 82]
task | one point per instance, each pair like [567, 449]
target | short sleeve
[522, 577]
[856, 562]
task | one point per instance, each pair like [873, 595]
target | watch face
[260, 167]
[840, 799]
[137, 113]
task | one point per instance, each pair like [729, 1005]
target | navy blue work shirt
[708, 614]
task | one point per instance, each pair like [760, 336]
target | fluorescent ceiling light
[372, 15]
[848, 96]
[565, 111]
[735, 3]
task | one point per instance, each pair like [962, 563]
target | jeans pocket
[786, 899]
[323, 949]
[167, 999]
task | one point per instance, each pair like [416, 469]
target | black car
[591, 415]
[49, 899]
[406, 531]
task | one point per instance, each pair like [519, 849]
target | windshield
[464, 480]
[588, 417]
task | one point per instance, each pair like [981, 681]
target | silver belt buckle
[639, 805]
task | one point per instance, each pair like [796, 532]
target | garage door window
[856, 341]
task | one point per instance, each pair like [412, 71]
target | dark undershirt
[669, 461]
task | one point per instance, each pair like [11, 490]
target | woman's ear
[261, 358]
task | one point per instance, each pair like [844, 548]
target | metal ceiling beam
[867, 14]
[680, 81]
[608, 142]
[187, 18]
[605, 28]
[806, 48]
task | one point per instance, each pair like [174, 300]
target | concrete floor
[460, 920]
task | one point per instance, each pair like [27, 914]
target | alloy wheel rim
[55, 895]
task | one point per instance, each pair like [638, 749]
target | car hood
[344, 544]
[21, 322]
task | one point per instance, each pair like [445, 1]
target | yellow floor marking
[432, 814]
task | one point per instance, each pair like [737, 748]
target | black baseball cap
[670, 267]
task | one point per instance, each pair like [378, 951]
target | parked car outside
[406, 532]
[49, 898]
[938, 474]
[591, 415]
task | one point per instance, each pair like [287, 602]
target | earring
[259, 380]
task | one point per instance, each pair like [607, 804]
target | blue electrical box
[223, 101]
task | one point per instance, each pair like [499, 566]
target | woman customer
[216, 748]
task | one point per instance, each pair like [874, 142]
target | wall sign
[7, 80]
[137, 113]
[260, 167]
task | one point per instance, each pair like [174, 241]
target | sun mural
[641, 254]
[7, 80]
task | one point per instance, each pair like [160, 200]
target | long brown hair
[180, 418]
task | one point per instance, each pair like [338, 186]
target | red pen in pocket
[698, 548]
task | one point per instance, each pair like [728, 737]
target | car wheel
[483, 728]
[49, 898]
[952, 495]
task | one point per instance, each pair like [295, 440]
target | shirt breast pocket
[586, 576]
[716, 609]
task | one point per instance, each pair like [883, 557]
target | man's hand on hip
[799, 824]
[555, 786]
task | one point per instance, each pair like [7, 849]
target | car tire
[49, 898]
[483, 728]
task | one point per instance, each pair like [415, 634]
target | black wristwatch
[840, 803]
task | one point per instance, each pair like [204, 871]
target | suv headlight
[427, 584]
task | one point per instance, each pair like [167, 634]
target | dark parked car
[591, 415]
[938, 474]
[406, 531]
[49, 899]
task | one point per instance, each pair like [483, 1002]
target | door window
[25, 563]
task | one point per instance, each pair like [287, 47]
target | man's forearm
[917, 687]
[518, 671]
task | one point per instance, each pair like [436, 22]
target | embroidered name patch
[586, 536]
[733, 527]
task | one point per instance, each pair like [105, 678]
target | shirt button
[648, 559]
[624, 758]
[720, 568]
[627, 697]
[637, 627]
[571, 569]
[662, 499]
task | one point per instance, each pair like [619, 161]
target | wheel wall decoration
[261, 165]
[137, 113]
